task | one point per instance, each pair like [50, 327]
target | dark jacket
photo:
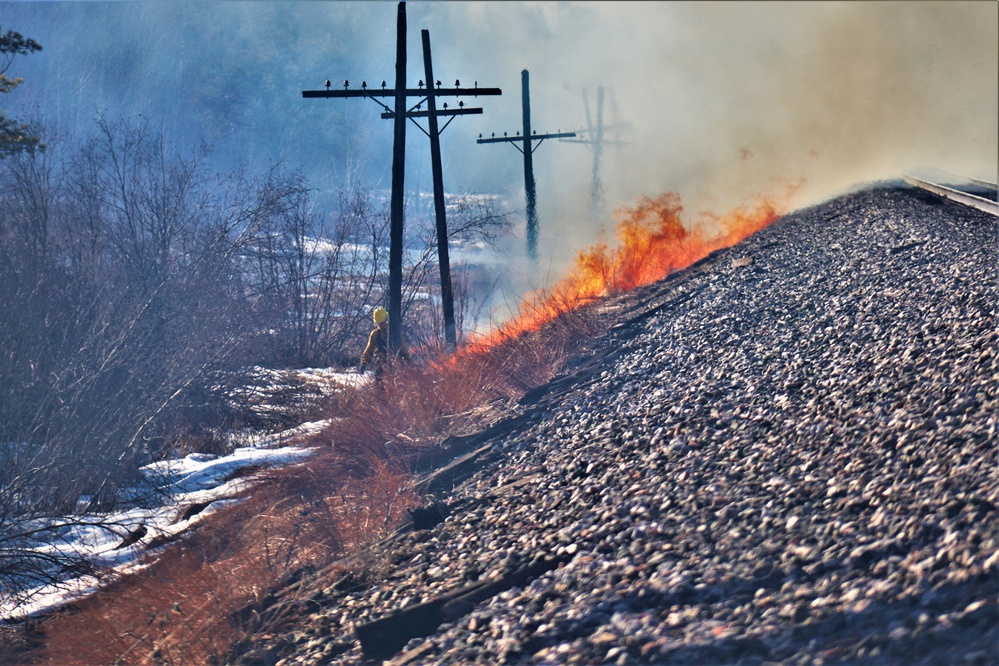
[376, 352]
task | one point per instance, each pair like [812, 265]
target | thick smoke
[726, 101]
[722, 100]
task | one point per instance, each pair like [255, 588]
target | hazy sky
[722, 100]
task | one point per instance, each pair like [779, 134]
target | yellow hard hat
[379, 315]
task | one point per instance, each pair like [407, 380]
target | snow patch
[103, 540]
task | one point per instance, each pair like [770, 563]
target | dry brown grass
[420, 405]
[201, 596]
[205, 594]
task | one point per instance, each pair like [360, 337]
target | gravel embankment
[790, 462]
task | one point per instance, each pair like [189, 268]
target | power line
[527, 147]
[400, 93]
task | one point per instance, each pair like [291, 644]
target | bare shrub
[317, 275]
[476, 223]
[120, 291]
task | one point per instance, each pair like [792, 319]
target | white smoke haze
[723, 100]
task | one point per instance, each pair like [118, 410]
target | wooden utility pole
[396, 230]
[596, 187]
[527, 148]
[443, 256]
[595, 134]
[396, 224]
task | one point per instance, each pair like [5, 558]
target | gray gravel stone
[794, 464]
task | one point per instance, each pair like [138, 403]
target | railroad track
[979, 194]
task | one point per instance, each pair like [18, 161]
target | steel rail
[989, 206]
[970, 180]
[983, 183]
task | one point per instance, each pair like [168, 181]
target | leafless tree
[475, 223]
[122, 287]
[319, 274]
[135, 280]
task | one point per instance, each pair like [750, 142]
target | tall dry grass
[203, 596]
[419, 405]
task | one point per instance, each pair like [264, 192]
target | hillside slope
[786, 453]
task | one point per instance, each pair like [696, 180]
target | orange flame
[652, 242]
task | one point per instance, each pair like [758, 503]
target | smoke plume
[719, 101]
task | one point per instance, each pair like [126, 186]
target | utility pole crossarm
[520, 139]
[606, 142]
[437, 113]
[409, 92]
[607, 128]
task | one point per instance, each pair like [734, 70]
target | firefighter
[376, 354]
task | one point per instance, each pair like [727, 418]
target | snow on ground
[97, 538]
[195, 479]
[273, 396]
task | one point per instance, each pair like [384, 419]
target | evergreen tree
[15, 136]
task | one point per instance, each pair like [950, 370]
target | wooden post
[443, 256]
[596, 187]
[527, 147]
[596, 133]
[396, 226]
[531, 193]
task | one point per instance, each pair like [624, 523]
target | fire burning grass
[652, 242]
